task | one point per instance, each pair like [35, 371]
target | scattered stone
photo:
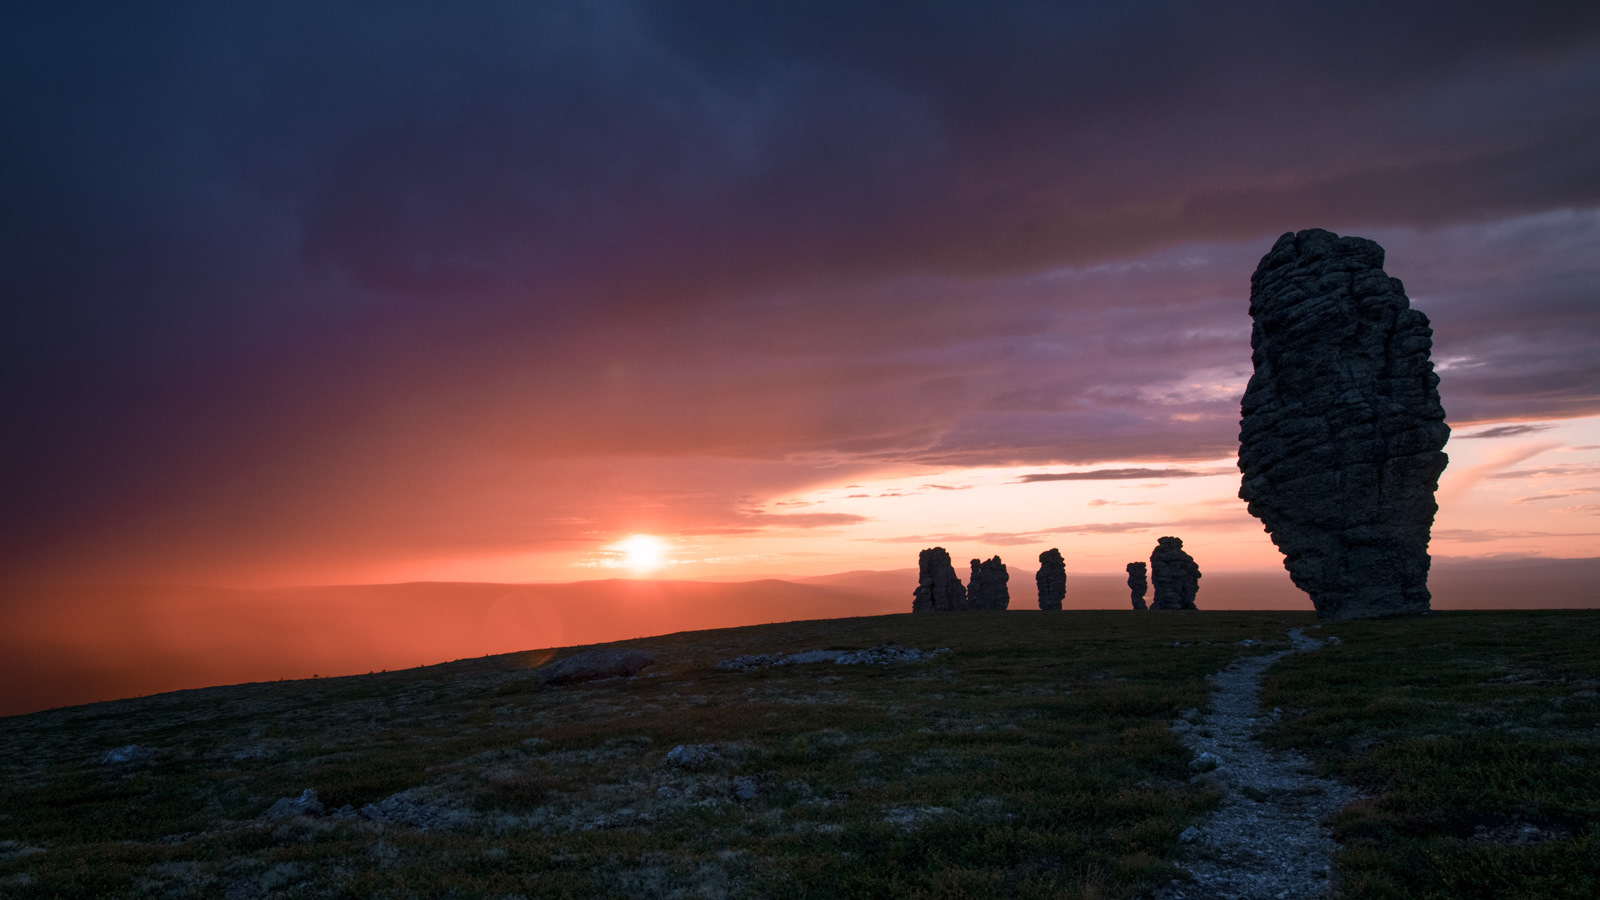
[1204, 762]
[910, 818]
[1137, 584]
[987, 589]
[938, 588]
[420, 808]
[749, 662]
[592, 665]
[1051, 579]
[10, 850]
[694, 756]
[1342, 433]
[887, 654]
[745, 788]
[126, 754]
[1176, 576]
[881, 655]
[306, 804]
[809, 656]
[1189, 835]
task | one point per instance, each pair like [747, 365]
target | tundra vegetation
[1034, 759]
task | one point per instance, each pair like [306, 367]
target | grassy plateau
[1034, 759]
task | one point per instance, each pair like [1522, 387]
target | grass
[1033, 760]
[1477, 737]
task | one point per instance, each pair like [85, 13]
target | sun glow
[642, 552]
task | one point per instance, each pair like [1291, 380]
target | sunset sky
[340, 292]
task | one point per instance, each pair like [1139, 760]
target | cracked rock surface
[939, 589]
[1051, 579]
[1341, 432]
[1267, 840]
[986, 589]
[1138, 583]
[1175, 575]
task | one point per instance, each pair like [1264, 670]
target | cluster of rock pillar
[1175, 573]
[1341, 444]
[939, 588]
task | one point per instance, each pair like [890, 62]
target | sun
[642, 551]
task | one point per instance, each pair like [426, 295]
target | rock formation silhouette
[1137, 584]
[1341, 433]
[1175, 575]
[938, 588]
[1051, 579]
[987, 587]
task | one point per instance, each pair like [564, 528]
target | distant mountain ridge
[63, 646]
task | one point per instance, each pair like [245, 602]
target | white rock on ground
[306, 804]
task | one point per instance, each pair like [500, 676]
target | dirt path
[1267, 841]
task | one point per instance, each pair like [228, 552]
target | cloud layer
[311, 283]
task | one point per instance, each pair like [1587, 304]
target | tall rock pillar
[1175, 575]
[1051, 579]
[938, 587]
[1342, 434]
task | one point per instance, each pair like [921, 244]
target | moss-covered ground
[1034, 759]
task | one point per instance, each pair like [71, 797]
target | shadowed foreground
[1035, 759]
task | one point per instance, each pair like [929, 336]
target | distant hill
[62, 646]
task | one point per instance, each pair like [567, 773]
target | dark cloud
[343, 279]
[1119, 474]
[802, 520]
[1484, 535]
[1558, 495]
[1557, 471]
[1501, 431]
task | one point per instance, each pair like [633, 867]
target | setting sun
[642, 551]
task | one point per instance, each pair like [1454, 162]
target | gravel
[1272, 847]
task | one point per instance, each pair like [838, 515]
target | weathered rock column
[938, 588]
[1175, 575]
[1051, 579]
[1341, 433]
[1137, 584]
[986, 589]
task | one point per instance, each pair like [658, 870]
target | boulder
[1051, 579]
[306, 804]
[1342, 433]
[591, 665]
[1137, 583]
[987, 589]
[126, 754]
[694, 756]
[1175, 575]
[938, 588]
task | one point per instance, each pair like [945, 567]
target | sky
[334, 292]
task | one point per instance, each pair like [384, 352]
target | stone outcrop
[592, 665]
[1051, 579]
[987, 588]
[1137, 584]
[1342, 434]
[938, 588]
[1175, 575]
[306, 804]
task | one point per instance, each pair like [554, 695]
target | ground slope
[1037, 758]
